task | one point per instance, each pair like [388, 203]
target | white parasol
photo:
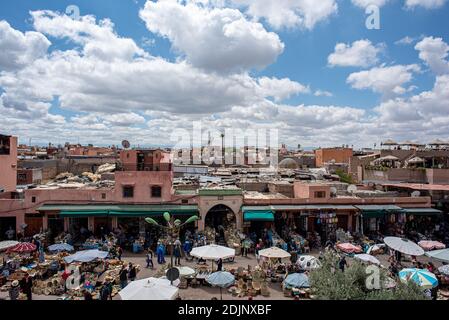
[367, 258]
[149, 289]
[404, 246]
[274, 253]
[212, 252]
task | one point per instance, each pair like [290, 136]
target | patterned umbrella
[221, 279]
[23, 247]
[308, 262]
[444, 270]
[421, 277]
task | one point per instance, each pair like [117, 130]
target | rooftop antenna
[352, 188]
[126, 144]
[416, 194]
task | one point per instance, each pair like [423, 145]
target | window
[320, 194]
[128, 192]
[185, 201]
[156, 192]
[103, 196]
[33, 199]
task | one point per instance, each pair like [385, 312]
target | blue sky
[303, 60]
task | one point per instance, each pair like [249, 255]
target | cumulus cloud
[290, 13]
[365, 3]
[405, 41]
[322, 93]
[281, 89]
[361, 53]
[98, 40]
[428, 4]
[18, 49]
[385, 80]
[217, 39]
[434, 51]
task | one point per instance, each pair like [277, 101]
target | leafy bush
[330, 283]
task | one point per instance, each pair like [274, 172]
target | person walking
[177, 254]
[149, 259]
[28, 287]
[14, 291]
[123, 275]
[342, 264]
[187, 248]
[220, 265]
[132, 272]
[106, 290]
[119, 253]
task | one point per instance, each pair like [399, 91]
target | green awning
[81, 214]
[150, 213]
[422, 211]
[378, 211]
[258, 216]
[373, 214]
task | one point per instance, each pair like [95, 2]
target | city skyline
[129, 70]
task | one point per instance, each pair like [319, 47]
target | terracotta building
[337, 155]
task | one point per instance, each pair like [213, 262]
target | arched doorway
[218, 219]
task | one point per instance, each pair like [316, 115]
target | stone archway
[219, 218]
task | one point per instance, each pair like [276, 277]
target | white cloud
[281, 89]
[361, 53]
[385, 80]
[19, 49]
[321, 93]
[290, 13]
[405, 41]
[365, 3]
[434, 51]
[218, 39]
[428, 4]
[427, 107]
[98, 40]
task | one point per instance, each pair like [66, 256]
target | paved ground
[207, 293]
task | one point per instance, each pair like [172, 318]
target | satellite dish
[172, 274]
[416, 194]
[352, 188]
[333, 190]
[126, 144]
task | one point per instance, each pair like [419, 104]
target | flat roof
[417, 186]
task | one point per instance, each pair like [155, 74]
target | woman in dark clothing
[220, 265]
[28, 286]
[132, 272]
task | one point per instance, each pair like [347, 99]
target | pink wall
[8, 167]
[142, 182]
[307, 190]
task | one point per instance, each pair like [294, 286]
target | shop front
[257, 219]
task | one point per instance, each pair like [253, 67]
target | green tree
[330, 283]
[344, 177]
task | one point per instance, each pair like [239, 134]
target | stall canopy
[377, 211]
[422, 211]
[74, 211]
[258, 215]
